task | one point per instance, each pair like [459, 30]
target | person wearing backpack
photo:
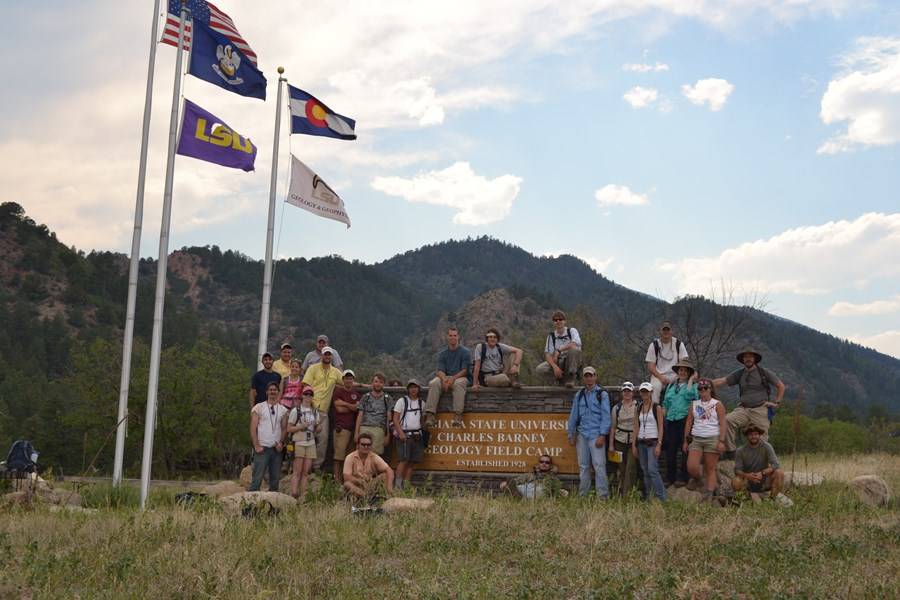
[562, 353]
[662, 354]
[408, 424]
[623, 425]
[755, 386]
[648, 442]
[496, 364]
[677, 405]
[303, 425]
[374, 415]
[588, 429]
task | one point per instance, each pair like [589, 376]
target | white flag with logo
[310, 192]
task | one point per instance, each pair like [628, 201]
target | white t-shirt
[667, 356]
[492, 362]
[268, 431]
[569, 334]
[309, 418]
[413, 419]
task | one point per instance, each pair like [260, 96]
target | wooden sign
[499, 443]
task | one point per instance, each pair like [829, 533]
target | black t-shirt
[261, 380]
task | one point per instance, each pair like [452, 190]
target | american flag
[208, 14]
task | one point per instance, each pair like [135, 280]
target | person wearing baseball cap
[408, 429]
[648, 442]
[261, 379]
[282, 366]
[756, 468]
[623, 425]
[345, 400]
[662, 354]
[755, 385]
[314, 356]
[562, 353]
[323, 377]
[589, 422]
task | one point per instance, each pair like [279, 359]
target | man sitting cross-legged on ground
[562, 353]
[756, 467]
[365, 472]
[543, 481]
[496, 364]
[453, 373]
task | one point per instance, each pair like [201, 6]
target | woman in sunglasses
[706, 427]
[303, 424]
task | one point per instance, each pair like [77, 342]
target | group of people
[297, 407]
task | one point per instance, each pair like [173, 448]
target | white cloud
[866, 95]
[619, 195]
[815, 259]
[477, 200]
[645, 68]
[878, 307]
[713, 92]
[640, 97]
[887, 342]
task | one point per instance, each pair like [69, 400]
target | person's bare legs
[693, 463]
[710, 467]
[295, 476]
[304, 475]
[777, 478]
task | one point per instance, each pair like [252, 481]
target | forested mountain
[63, 312]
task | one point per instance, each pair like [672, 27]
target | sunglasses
[365, 444]
[544, 462]
[558, 319]
[490, 335]
[704, 387]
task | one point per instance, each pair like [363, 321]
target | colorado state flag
[310, 116]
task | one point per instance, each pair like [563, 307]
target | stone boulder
[223, 488]
[871, 490]
[11, 499]
[802, 478]
[247, 476]
[393, 505]
[683, 494]
[235, 502]
[73, 509]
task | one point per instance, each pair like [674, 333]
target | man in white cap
[315, 356]
[346, 404]
[588, 427]
[323, 377]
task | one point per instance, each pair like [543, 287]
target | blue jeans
[269, 459]
[650, 466]
[589, 455]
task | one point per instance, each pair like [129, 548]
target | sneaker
[457, 420]
[429, 420]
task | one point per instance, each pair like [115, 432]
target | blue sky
[672, 145]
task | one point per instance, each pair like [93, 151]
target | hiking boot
[457, 420]
[429, 420]
[514, 381]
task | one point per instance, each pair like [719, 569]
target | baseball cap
[327, 350]
[413, 382]
[307, 388]
[646, 387]
[588, 370]
[348, 372]
[286, 345]
[266, 354]
[628, 386]
[323, 338]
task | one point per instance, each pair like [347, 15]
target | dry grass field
[827, 545]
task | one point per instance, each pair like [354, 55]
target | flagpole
[121, 424]
[161, 267]
[270, 231]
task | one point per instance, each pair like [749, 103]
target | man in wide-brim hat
[755, 387]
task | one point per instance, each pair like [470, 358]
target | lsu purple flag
[205, 136]
[309, 192]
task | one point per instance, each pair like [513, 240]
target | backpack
[426, 435]
[22, 457]
[553, 336]
[679, 345]
[630, 432]
[481, 360]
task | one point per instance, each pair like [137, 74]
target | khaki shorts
[377, 434]
[705, 444]
[305, 451]
[343, 443]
